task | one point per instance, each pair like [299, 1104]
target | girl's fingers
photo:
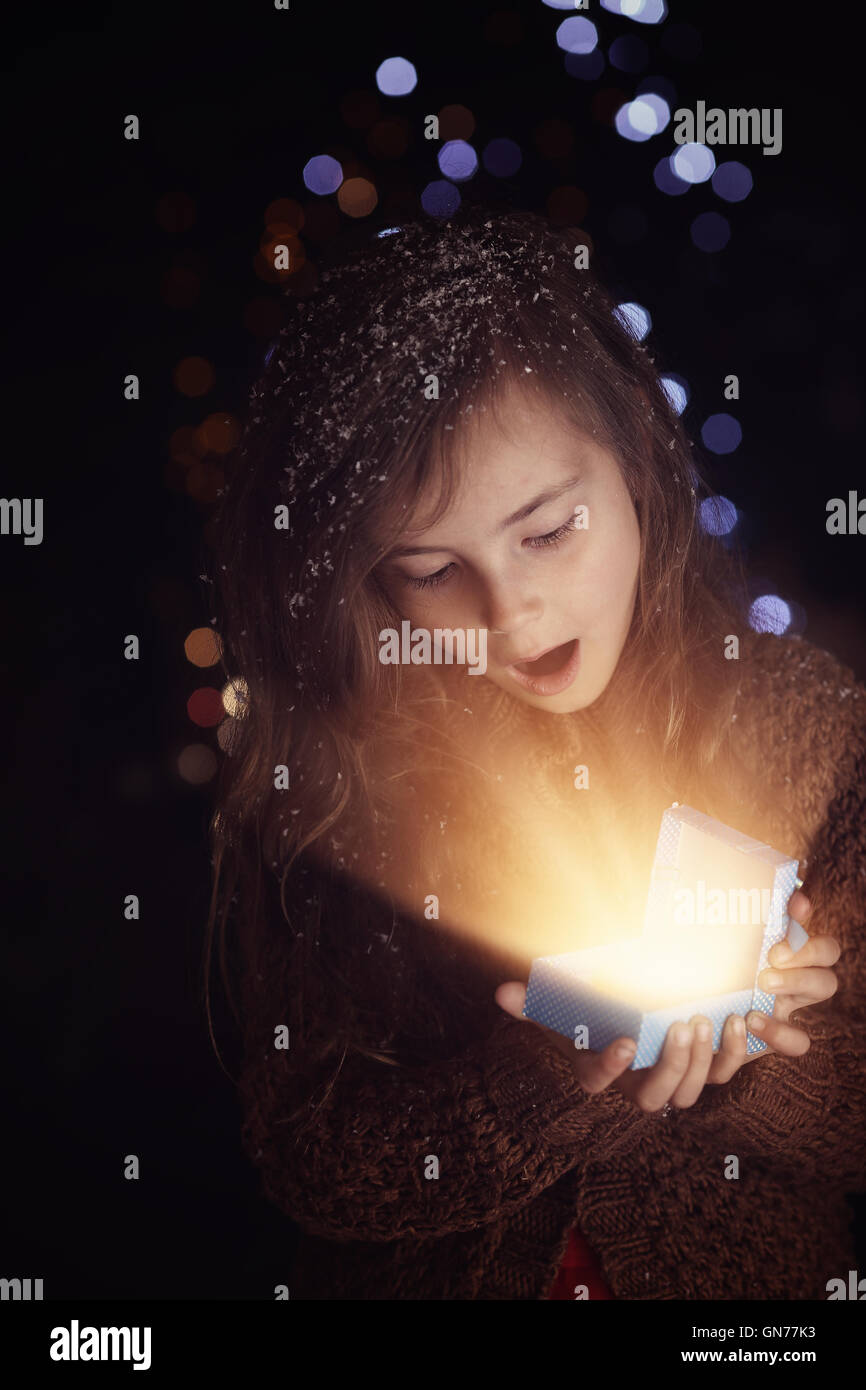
[799, 907]
[656, 1086]
[511, 997]
[813, 984]
[732, 1052]
[781, 1037]
[701, 1060]
[818, 950]
[595, 1070]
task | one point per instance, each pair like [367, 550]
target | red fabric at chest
[580, 1265]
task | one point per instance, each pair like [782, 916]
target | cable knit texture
[524, 1153]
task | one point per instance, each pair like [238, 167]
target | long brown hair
[345, 427]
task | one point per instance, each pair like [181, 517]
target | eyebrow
[550, 495]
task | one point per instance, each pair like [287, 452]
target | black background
[108, 1045]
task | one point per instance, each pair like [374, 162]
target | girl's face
[541, 546]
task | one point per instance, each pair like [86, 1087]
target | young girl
[456, 430]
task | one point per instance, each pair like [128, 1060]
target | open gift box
[716, 905]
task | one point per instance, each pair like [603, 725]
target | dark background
[107, 274]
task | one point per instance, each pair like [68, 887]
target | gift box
[716, 905]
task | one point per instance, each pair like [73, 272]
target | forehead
[513, 447]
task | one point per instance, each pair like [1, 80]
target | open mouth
[550, 673]
[551, 661]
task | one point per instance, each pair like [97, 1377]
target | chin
[580, 695]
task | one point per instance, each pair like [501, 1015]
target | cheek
[606, 568]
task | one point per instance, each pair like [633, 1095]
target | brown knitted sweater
[524, 1153]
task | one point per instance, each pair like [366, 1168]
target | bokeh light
[322, 174]
[721, 433]
[197, 763]
[357, 197]
[769, 613]
[203, 646]
[501, 157]
[718, 516]
[456, 122]
[642, 118]
[396, 77]
[693, 162]
[644, 11]
[194, 376]
[732, 181]
[284, 214]
[440, 198]
[628, 53]
[235, 696]
[218, 434]
[710, 231]
[667, 180]
[676, 388]
[577, 35]
[205, 707]
[457, 160]
[635, 319]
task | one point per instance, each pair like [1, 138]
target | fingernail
[756, 1022]
[781, 952]
[703, 1032]
[681, 1035]
[738, 1027]
[772, 979]
[625, 1050]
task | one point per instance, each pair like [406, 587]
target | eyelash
[433, 581]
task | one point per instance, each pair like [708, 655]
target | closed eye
[434, 581]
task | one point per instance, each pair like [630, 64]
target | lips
[551, 671]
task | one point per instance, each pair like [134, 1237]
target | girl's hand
[687, 1062]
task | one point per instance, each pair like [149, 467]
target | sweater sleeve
[502, 1121]
[809, 1113]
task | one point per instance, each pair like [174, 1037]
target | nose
[508, 609]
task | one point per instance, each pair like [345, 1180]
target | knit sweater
[524, 1153]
